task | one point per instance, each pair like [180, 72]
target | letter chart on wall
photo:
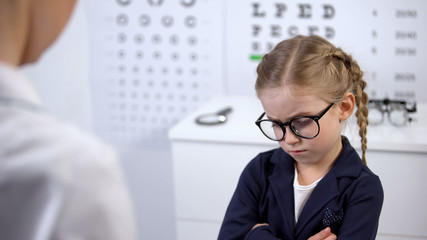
[155, 61]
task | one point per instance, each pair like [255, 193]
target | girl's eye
[302, 122]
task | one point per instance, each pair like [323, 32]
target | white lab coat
[55, 181]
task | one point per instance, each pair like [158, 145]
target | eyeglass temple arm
[413, 109]
[260, 117]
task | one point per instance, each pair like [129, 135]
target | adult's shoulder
[42, 139]
[82, 151]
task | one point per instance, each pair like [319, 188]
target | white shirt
[301, 194]
[55, 181]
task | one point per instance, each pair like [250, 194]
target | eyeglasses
[397, 111]
[303, 126]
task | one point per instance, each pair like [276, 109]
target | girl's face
[286, 103]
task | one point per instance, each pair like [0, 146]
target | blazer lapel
[326, 190]
[281, 182]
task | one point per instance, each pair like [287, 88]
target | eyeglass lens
[375, 116]
[304, 127]
[397, 113]
[397, 116]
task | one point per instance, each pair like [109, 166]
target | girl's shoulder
[265, 163]
[273, 157]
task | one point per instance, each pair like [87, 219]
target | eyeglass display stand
[208, 161]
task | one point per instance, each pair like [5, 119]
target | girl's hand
[260, 224]
[325, 234]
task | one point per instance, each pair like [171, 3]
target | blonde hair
[311, 61]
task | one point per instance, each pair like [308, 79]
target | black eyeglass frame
[382, 104]
[385, 107]
[283, 125]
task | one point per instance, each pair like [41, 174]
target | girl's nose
[290, 137]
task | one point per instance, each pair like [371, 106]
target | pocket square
[332, 218]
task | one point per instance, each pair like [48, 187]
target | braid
[340, 55]
[358, 86]
[361, 103]
[362, 114]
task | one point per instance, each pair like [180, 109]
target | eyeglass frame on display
[383, 106]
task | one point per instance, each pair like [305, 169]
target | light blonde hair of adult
[312, 61]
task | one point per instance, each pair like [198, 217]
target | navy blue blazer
[348, 199]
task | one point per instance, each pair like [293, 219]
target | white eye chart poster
[387, 38]
[154, 61]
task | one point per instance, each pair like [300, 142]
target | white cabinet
[208, 161]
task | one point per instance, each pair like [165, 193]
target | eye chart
[387, 38]
[156, 60]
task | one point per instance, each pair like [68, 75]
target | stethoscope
[214, 118]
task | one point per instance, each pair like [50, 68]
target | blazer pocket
[333, 219]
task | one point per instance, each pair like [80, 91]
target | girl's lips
[297, 151]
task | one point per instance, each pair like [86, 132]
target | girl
[315, 186]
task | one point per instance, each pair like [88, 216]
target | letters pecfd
[276, 30]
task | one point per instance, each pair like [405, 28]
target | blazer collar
[281, 182]
[348, 163]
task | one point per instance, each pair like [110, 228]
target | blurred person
[55, 181]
